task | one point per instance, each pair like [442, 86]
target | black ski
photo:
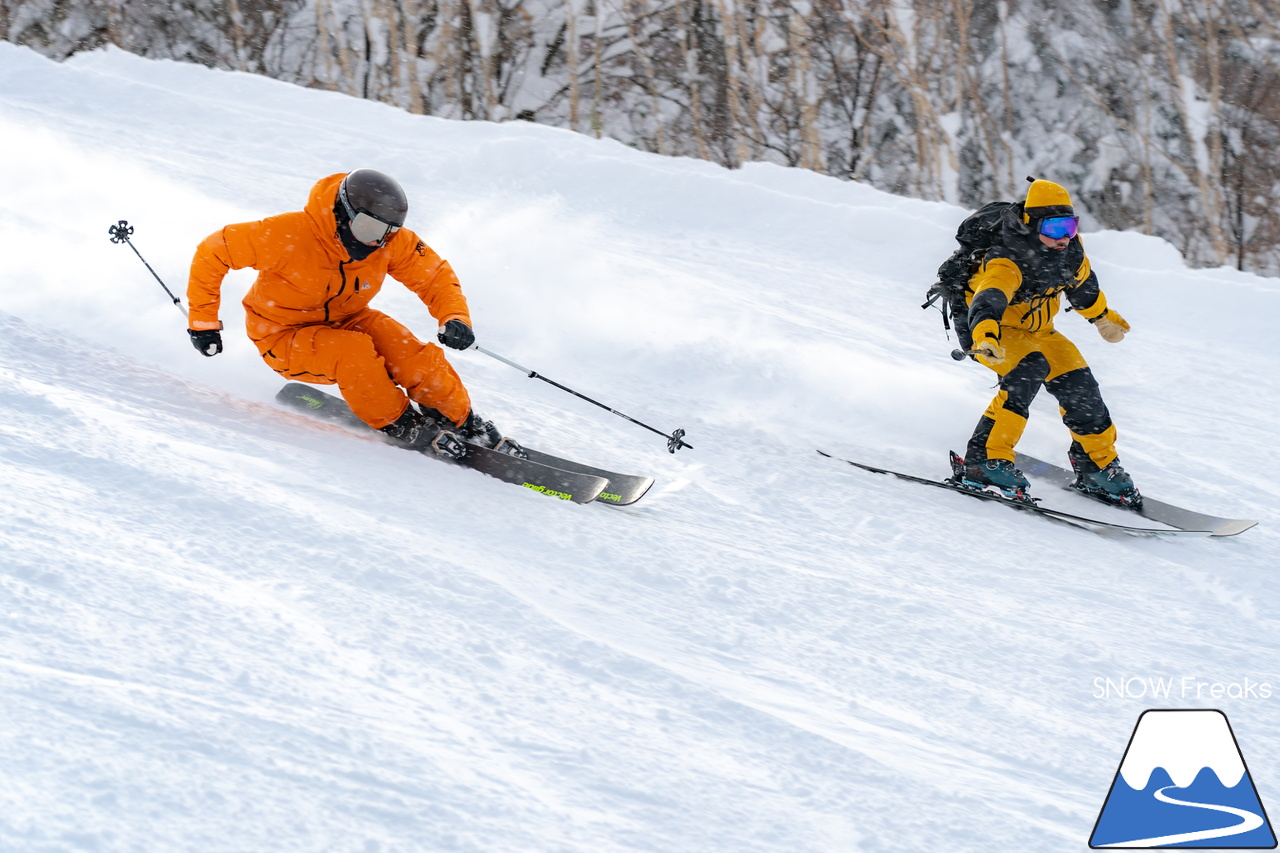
[566, 485]
[1174, 516]
[623, 489]
[1048, 512]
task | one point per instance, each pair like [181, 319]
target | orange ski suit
[308, 311]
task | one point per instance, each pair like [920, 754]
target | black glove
[207, 341]
[456, 335]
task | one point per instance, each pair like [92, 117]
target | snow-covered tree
[1158, 115]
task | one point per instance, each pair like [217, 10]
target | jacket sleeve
[232, 248]
[993, 286]
[428, 275]
[1086, 295]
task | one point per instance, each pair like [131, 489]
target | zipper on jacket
[343, 272]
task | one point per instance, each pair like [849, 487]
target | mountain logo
[1183, 783]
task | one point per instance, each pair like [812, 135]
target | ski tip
[1233, 527]
[634, 492]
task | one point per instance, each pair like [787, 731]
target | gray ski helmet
[369, 194]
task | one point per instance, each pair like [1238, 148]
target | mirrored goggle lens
[369, 229]
[1057, 227]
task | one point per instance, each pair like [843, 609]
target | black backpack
[979, 232]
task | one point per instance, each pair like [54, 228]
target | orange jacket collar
[319, 212]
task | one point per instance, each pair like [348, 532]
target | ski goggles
[366, 227]
[1057, 227]
[370, 229]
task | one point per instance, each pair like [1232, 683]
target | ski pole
[120, 233]
[962, 354]
[675, 441]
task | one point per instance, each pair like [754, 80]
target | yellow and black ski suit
[1019, 286]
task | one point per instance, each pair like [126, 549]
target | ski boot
[476, 430]
[406, 431]
[999, 475]
[416, 430]
[1111, 484]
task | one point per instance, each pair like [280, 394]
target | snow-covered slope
[227, 627]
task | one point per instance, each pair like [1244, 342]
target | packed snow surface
[227, 627]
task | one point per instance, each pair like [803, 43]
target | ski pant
[374, 361]
[1044, 358]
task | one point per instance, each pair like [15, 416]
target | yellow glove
[1111, 326]
[986, 343]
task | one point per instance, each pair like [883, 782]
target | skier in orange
[308, 311]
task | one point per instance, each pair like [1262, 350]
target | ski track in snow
[227, 627]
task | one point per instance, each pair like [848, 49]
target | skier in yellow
[1014, 295]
